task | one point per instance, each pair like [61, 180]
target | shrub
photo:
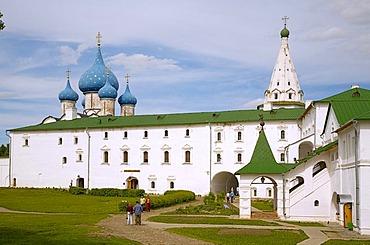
[111, 192]
[171, 198]
[77, 190]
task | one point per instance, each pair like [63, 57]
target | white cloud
[141, 62]
[332, 33]
[253, 104]
[354, 11]
[69, 56]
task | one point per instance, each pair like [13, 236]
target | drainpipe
[10, 158]
[210, 156]
[88, 159]
[357, 194]
[284, 208]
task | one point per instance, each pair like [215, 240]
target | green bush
[171, 198]
[77, 190]
[111, 192]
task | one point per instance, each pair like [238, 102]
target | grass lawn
[266, 206]
[345, 242]
[182, 219]
[69, 219]
[242, 236]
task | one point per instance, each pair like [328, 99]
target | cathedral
[310, 157]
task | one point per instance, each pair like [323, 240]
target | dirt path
[115, 225]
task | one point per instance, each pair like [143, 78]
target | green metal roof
[353, 94]
[348, 110]
[167, 119]
[263, 161]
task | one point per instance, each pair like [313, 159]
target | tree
[2, 24]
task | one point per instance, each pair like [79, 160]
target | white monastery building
[312, 158]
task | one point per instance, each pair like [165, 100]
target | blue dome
[68, 93]
[127, 98]
[107, 91]
[94, 78]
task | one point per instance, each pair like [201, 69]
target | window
[187, 133]
[145, 134]
[290, 96]
[276, 96]
[254, 192]
[76, 140]
[105, 157]
[288, 82]
[316, 203]
[79, 158]
[125, 157]
[105, 135]
[219, 157]
[239, 157]
[152, 185]
[25, 142]
[166, 157]
[239, 136]
[282, 157]
[269, 192]
[64, 160]
[318, 167]
[125, 134]
[187, 156]
[297, 182]
[60, 141]
[172, 185]
[219, 136]
[282, 134]
[166, 133]
[145, 157]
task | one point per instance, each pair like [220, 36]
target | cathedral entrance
[224, 182]
[132, 183]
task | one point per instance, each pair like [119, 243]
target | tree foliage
[2, 24]
[4, 150]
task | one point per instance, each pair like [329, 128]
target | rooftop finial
[127, 77]
[262, 123]
[285, 18]
[108, 69]
[68, 71]
[98, 37]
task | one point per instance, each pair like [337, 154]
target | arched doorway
[305, 148]
[132, 183]
[264, 190]
[223, 182]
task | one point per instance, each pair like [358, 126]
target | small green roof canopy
[263, 161]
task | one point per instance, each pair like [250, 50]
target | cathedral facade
[310, 157]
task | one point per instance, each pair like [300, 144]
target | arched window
[106, 156]
[318, 167]
[239, 157]
[282, 157]
[152, 184]
[166, 133]
[254, 191]
[187, 133]
[316, 203]
[79, 158]
[172, 185]
[105, 135]
[145, 134]
[145, 157]
[276, 96]
[239, 136]
[64, 160]
[166, 156]
[125, 134]
[60, 141]
[187, 156]
[125, 156]
[282, 134]
[219, 136]
[298, 181]
[25, 142]
[269, 192]
[219, 157]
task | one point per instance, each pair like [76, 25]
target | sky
[182, 56]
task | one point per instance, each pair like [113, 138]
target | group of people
[137, 210]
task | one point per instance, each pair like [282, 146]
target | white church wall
[4, 172]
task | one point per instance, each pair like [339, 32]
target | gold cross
[285, 18]
[68, 71]
[98, 37]
[127, 77]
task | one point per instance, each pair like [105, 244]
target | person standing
[138, 209]
[147, 207]
[142, 201]
[130, 211]
[232, 196]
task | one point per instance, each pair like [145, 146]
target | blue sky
[182, 56]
